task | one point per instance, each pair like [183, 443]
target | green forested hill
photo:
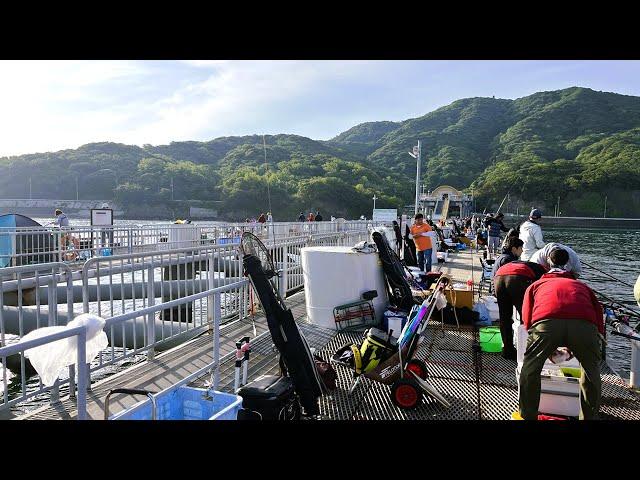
[576, 144]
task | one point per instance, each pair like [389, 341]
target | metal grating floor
[480, 386]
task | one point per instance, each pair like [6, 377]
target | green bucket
[490, 339]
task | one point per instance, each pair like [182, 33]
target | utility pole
[77, 195]
[30, 188]
[374, 201]
[171, 188]
[558, 206]
[605, 207]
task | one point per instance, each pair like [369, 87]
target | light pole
[374, 201]
[605, 207]
[29, 188]
[416, 154]
[172, 188]
[77, 195]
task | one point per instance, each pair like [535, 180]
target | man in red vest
[511, 280]
[559, 310]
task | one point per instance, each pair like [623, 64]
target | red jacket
[559, 295]
[516, 268]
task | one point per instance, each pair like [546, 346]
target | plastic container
[186, 403]
[559, 395]
[490, 339]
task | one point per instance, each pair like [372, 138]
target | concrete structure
[44, 207]
[459, 203]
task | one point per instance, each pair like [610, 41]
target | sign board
[385, 214]
[415, 150]
[102, 217]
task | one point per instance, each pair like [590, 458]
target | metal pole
[77, 195]
[83, 376]
[171, 188]
[418, 172]
[558, 206]
[605, 207]
[30, 188]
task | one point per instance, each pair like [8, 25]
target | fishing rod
[505, 197]
[607, 274]
[632, 312]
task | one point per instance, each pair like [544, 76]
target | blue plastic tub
[224, 241]
[186, 403]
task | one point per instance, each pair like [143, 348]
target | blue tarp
[7, 224]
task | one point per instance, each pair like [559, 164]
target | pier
[478, 385]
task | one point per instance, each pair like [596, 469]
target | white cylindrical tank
[337, 275]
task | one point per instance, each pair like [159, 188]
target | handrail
[172, 303]
[81, 333]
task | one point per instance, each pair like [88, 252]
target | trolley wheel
[406, 394]
[418, 367]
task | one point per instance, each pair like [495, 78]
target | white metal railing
[30, 245]
[19, 349]
[172, 282]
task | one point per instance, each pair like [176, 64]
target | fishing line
[605, 273]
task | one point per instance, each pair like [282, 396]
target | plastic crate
[354, 314]
[186, 403]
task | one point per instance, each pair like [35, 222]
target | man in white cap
[531, 235]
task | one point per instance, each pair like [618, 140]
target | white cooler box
[559, 395]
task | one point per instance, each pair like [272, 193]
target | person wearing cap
[636, 290]
[542, 257]
[419, 231]
[531, 234]
[560, 311]
[494, 226]
[511, 280]
[301, 217]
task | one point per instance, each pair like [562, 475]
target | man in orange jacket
[423, 242]
[559, 310]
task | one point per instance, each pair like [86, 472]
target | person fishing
[494, 226]
[531, 234]
[560, 311]
[62, 222]
[511, 281]
[510, 253]
[301, 217]
[423, 242]
[318, 216]
[542, 257]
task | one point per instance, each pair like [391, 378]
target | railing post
[52, 309]
[284, 276]
[151, 328]
[83, 375]
[211, 276]
[217, 316]
[129, 240]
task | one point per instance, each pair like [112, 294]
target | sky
[54, 105]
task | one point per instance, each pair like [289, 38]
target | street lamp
[416, 154]
[374, 201]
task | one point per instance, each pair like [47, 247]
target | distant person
[301, 217]
[495, 226]
[61, 220]
[318, 217]
[542, 257]
[636, 290]
[560, 311]
[531, 234]
[311, 217]
[269, 217]
[423, 242]
[262, 218]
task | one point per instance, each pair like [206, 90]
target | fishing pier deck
[479, 385]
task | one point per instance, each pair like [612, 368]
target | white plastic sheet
[2, 374]
[50, 359]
